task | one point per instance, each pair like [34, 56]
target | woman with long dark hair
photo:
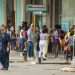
[43, 43]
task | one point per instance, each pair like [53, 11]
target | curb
[60, 63]
[17, 61]
[43, 63]
[68, 69]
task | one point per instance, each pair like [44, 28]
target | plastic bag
[1, 66]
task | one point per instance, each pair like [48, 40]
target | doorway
[10, 14]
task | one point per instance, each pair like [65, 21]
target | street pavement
[49, 67]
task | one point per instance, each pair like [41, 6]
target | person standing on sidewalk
[43, 44]
[25, 36]
[36, 44]
[68, 48]
[30, 34]
[55, 42]
[4, 48]
[1, 65]
[21, 40]
[13, 41]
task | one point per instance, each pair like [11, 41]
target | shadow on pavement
[59, 63]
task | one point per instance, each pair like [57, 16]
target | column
[49, 15]
[19, 12]
[53, 14]
[22, 10]
[50, 9]
[27, 14]
[44, 16]
[2, 12]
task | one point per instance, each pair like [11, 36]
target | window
[37, 1]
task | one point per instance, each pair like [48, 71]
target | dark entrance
[10, 13]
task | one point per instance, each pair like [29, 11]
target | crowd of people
[41, 43]
[37, 43]
[63, 43]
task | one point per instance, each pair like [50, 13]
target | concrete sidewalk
[47, 68]
[17, 57]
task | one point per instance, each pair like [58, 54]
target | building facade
[2, 12]
[39, 12]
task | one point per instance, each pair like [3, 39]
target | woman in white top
[21, 40]
[43, 44]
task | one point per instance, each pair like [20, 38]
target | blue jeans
[30, 49]
[21, 43]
